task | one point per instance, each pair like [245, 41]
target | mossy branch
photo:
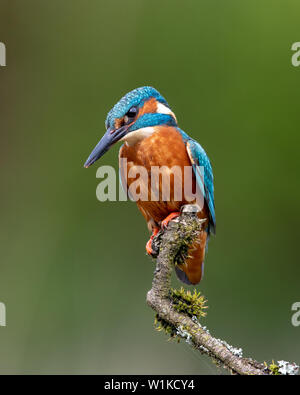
[178, 312]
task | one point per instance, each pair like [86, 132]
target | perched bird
[143, 120]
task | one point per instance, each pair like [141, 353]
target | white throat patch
[138, 135]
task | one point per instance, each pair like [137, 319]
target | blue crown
[134, 98]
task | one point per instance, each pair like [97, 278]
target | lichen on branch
[178, 312]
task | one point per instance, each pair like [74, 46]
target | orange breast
[165, 147]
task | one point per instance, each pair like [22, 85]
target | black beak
[109, 139]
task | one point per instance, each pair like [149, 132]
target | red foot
[169, 218]
[149, 244]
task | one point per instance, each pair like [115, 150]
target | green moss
[191, 304]
[162, 325]
[273, 368]
[180, 237]
[185, 302]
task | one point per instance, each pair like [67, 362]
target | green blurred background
[73, 271]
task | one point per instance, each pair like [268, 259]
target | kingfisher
[151, 138]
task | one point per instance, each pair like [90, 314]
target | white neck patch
[162, 109]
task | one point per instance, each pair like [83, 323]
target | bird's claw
[149, 249]
[152, 247]
[169, 218]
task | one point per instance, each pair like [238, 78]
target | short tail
[191, 272]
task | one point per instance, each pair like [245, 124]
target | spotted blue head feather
[137, 97]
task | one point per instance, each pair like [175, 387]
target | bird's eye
[130, 114]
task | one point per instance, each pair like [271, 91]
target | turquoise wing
[199, 159]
